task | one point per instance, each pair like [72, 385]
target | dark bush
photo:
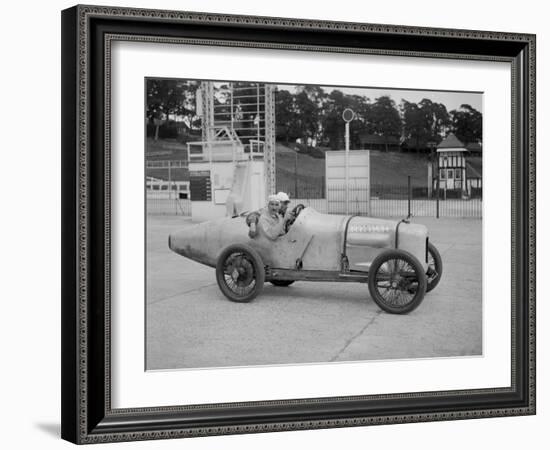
[419, 192]
[476, 192]
[166, 131]
[317, 153]
[174, 130]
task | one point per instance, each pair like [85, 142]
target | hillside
[393, 168]
[386, 168]
[298, 170]
[166, 150]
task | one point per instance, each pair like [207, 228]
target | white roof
[455, 149]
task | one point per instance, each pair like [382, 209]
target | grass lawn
[386, 168]
[165, 149]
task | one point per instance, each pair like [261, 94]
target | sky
[451, 99]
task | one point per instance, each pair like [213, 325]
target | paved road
[190, 324]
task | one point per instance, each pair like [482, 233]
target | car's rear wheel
[435, 267]
[282, 283]
[397, 282]
[240, 273]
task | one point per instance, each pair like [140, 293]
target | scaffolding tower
[243, 112]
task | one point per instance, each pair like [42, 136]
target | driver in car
[253, 218]
[270, 221]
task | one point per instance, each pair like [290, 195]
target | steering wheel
[297, 210]
[295, 213]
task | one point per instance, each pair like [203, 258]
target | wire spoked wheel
[397, 282]
[240, 273]
[435, 267]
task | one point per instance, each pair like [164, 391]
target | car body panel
[315, 240]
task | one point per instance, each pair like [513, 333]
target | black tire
[435, 267]
[397, 282]
[282, 283]
[240, 273]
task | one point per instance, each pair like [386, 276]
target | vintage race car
[395, 258]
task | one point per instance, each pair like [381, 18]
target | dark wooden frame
[87, 32]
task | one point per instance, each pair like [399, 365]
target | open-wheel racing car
[395, 258]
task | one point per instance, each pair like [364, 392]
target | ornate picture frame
[88, 33]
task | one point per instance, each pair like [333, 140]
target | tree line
[310, 114]
[313, 114]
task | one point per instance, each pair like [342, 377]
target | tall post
[232, 106]
[258, 135]
[348, 115]
[347, 167]
[208, 122]
[269, 147]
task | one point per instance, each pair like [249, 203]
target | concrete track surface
[190, 324]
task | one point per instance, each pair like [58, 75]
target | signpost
[348, 115]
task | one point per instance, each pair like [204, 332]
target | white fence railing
[378, 208]
[168, 206]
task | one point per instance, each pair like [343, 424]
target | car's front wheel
[240, 273]
[397, 282]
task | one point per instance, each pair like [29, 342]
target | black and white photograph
[300, 224]
[275, 225]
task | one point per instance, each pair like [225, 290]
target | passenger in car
[284, 199]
